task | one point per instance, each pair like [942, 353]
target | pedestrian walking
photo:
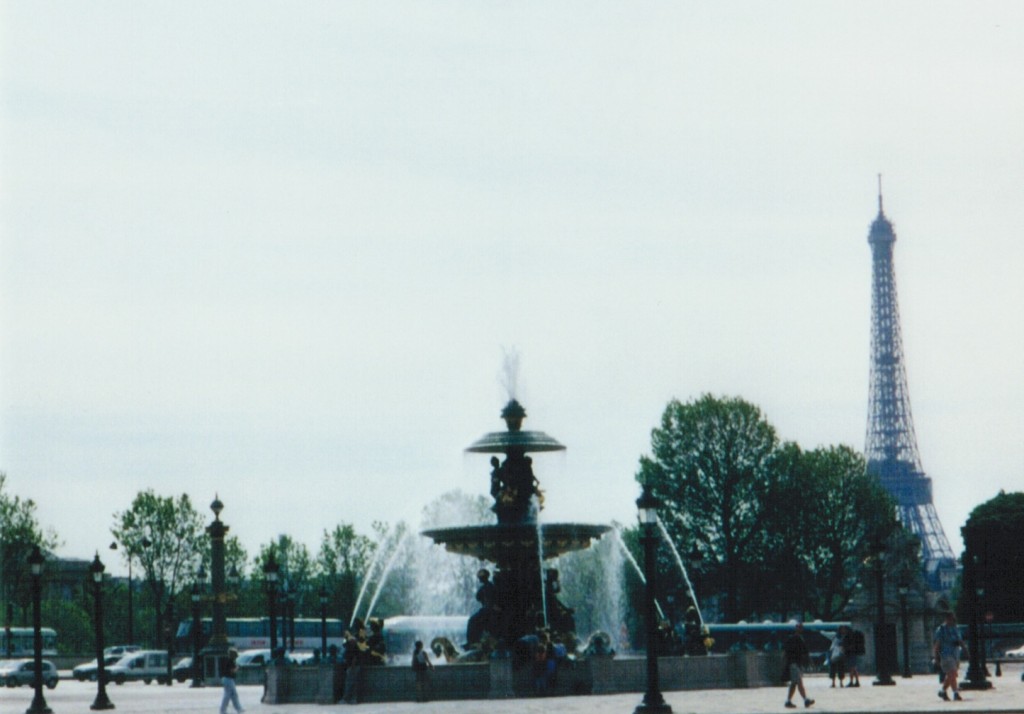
[837, 659]
[853, 650]
[422, 666]
[227, 679]
[948, 645]
[798, 658]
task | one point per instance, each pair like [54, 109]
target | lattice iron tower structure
[891, 444]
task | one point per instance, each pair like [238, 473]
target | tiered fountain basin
[503, 541]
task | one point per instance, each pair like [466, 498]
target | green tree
[709, 464]
[296, 575]
[994, 549]
[341, 564]
[175, 533]
[822, 510]
[19, 532]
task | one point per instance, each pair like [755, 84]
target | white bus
[22, 641]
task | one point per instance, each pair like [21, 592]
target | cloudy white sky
[276, 251]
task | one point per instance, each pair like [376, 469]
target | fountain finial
[513, 414]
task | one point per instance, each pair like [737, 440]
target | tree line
[764, 527]
[775, 530]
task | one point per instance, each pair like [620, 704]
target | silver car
[90, 670]
[16, 672]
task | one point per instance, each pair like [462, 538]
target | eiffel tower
[891, 444]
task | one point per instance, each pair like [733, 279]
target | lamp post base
[886, 682]
[653, 704]
[976, 685]
[101, 702]
[38, 706]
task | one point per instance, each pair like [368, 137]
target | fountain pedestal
[524, 596]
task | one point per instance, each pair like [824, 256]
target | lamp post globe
[647, 508]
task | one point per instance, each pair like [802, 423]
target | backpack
[857, 643]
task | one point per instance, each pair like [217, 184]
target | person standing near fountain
[422, 666]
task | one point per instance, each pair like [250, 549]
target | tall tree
[19, 532]
[709, 466]
[341, 564]
[822, 510]
[296, 572]
[994, 546]
[175, 532]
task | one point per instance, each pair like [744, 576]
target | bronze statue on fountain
[523, 597]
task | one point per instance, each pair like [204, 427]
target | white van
[147, 666]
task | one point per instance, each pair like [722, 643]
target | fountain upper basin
[497, 543]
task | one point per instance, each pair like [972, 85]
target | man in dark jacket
[798, 658]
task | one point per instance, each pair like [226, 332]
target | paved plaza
[909, 695]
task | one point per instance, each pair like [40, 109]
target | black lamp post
[883, 677]
[696, 557]
[145, 543]
[235, 581]
[270, 572]
[982, 655]
[197, 669]
[975, 678]
[102, 701]
[647, 505]
[289, 597]
[903, 589]
[323, 622]
[35, 562]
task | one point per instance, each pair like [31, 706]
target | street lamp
[145, 543]
[323, 622]
[903, 589]
[291, 595]
[696, 557]
[102, 700]
[35, 562]
[982, 655]
[197, 670]
[235, 581]
[972, 588]
[647, 505]
[883, 677]
[270, 572]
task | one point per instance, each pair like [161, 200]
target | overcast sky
[277, 251]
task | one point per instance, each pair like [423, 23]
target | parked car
[89, 670]
[121, 650]
[182, 671]
[300, 658]
[146, 665]
[1014, 653]
[253, 658]
[16, 672]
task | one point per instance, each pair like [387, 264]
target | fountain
[520, 607]
[522, 597]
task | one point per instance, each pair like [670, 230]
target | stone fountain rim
[498, 442]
